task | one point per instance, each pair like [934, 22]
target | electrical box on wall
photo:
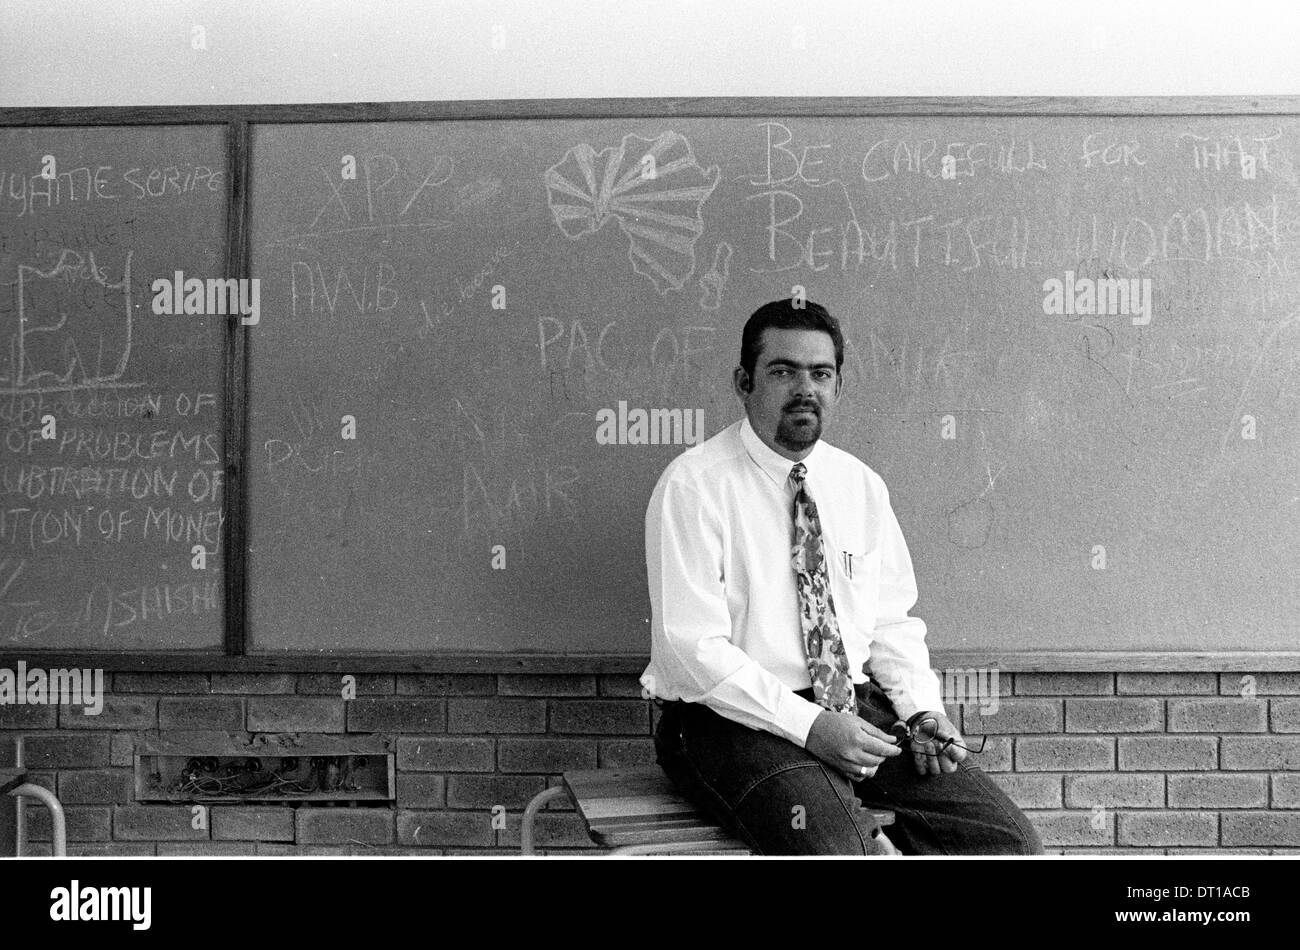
[228, 768]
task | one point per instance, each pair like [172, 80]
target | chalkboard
[451, 308]
[99, 522]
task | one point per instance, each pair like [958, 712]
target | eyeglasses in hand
[926, 732]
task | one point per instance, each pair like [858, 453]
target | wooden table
[638, 811]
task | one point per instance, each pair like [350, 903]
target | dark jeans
[781, 799]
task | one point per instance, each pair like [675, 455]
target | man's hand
[945, 761]
[851, 746]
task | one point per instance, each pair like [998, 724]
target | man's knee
[1014, 834]
[1018, 836]
[801, 810]
[1027, 837]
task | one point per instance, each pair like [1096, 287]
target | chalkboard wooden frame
[239, 120]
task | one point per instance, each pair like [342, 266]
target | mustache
[811, 406]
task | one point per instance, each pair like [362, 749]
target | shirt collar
[775, 465]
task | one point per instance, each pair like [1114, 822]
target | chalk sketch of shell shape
[660, 215]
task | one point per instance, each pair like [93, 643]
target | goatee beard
[797, 438]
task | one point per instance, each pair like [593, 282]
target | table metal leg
[530, 814]
[58, 823]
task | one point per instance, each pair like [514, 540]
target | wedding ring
[864, 771]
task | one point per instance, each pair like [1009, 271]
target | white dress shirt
[725, 625]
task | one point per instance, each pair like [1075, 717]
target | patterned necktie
[828, 665]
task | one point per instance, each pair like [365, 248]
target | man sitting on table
[778, 578]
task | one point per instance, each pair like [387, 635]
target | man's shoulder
[698, 463]
[847, 462]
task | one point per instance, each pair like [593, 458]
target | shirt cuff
[908, 705]
[795, 716]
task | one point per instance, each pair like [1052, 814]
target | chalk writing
[1102, 149]
[103, 610]
[84, 184]
[660, 215]
[370, 203]
[714, 280]
[63, 334]
[304, 281]
[889, 158]
[467, 287]
[617, 358]
[1226, 153]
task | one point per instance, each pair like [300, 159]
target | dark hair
[784, 315]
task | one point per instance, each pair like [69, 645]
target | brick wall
[1126, 763]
